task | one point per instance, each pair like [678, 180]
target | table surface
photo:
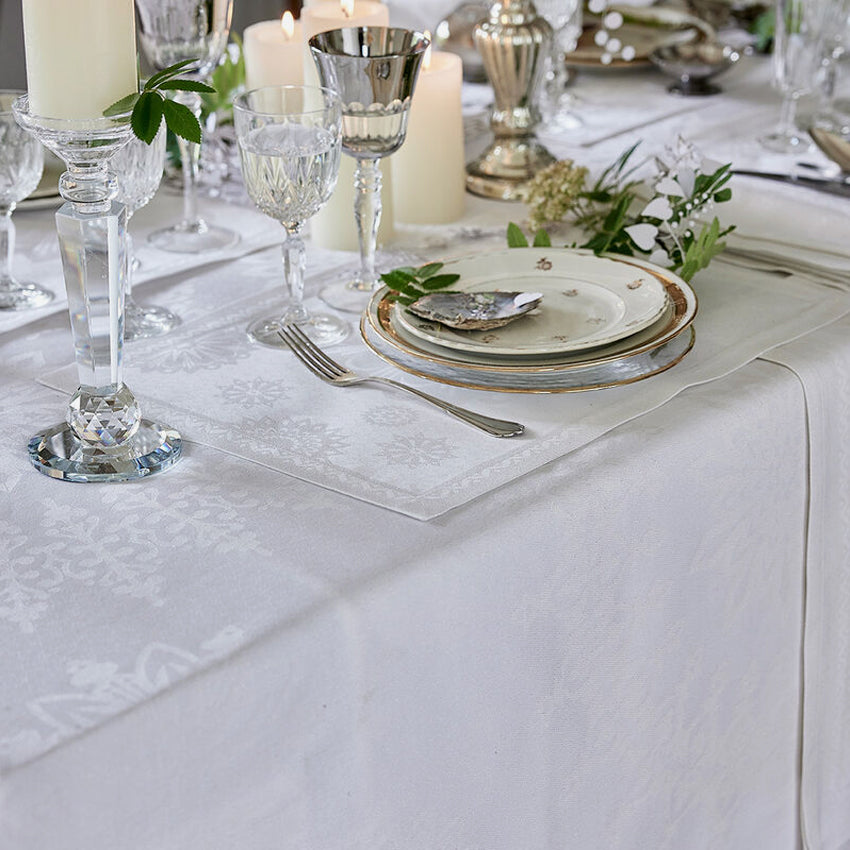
[624, 632]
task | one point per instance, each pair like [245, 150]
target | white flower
[643, 235]
[658, 208]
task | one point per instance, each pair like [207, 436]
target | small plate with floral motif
[588, 301]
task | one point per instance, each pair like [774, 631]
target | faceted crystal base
[58, 453]
[23, 296]
[197, 238]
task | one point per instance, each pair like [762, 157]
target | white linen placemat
[37, 255]
[207, 380]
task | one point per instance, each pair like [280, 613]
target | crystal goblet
[196, 31]
[21, 163]
[556, 103]
[800, 31]
[374, 69]
[289, 145]
[138, 168]
[103, 437]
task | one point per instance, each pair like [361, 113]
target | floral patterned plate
[588, 301]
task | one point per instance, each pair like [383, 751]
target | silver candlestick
[512, 43]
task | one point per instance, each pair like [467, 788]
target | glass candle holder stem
[367, 213]
[103, 437]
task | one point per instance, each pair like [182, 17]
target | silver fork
[331, 372]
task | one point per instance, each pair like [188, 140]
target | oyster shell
[475, 311]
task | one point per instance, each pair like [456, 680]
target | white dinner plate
[588, 301]
[655, 349]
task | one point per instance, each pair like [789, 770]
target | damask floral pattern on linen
[101, 689]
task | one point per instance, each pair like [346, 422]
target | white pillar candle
[429, 182]
[274, 53]
[80, 55]
[333, 226]
[338, 14]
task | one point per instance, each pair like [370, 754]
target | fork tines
[309, 353]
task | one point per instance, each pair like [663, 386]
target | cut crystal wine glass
[374, 69]
[173, 31]
[21, 163]
[556, 102]
[801, 27]
[137, 169]
[289, 145]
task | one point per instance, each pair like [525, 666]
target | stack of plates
[603, 322]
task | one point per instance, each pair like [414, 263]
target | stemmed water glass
[21, 163]
[374, 69]
[289, 144]
[138, 168]
[556, 103]
[797, 58]
[173, 31]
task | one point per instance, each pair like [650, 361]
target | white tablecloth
[639, 640]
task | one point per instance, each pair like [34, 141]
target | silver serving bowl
[694, 65]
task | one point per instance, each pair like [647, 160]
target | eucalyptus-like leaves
[151, 105]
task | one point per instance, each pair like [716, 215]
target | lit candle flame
[426, 59]
[287, 24]
[347, 7]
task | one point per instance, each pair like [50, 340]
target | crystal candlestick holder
[104, 437]
[512, 43]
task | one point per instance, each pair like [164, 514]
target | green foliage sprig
[616, 220]
[410, 284]
[150, 106]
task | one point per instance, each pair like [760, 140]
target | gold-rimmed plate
[587, 302]
[647, 353]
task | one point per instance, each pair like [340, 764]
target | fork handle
[496, 427]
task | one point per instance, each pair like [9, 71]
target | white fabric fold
[823, 366]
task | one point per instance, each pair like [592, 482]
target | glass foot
[23, 296]
[349, 297]
[58, 452]
[194, 238]
[786, 143]
[322, 329]
[145, 322]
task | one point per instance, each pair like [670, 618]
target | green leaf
[723, 195]
[439, 281]
[167, 73]
[181, 120]
[516, 238]
[126, 104]
[398, 278]
[541, 239]
[147, 115]
[428, 270]
[186, 85]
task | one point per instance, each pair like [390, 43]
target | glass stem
[7, 245]
[787, 115]
[367, 214]
[189, 159]
[294, 264]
